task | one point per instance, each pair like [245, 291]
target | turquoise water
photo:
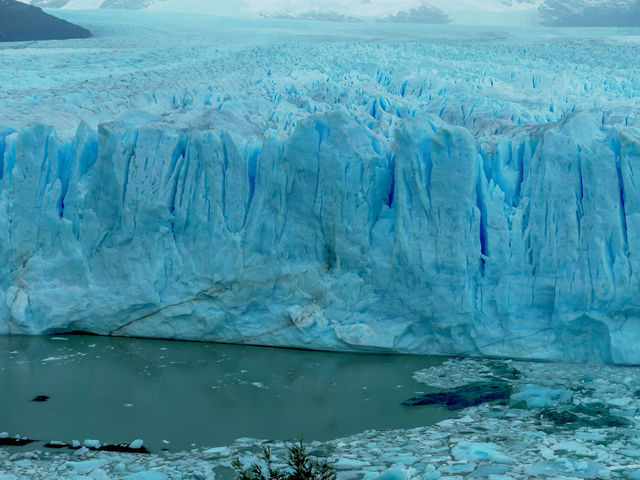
[180, 395]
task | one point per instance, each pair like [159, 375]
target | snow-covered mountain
[322, 16]
[502, 12]
[591, 13]
[425, 13]
[400, 10]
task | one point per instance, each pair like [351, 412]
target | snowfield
[345, 187]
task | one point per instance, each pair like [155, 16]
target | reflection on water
[179, 394]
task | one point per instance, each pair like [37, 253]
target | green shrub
[299, 466]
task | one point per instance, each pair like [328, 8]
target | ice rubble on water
[470, 194]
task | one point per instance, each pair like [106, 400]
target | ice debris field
[561, 422]
[347, 187]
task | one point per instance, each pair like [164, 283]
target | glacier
[365, 187]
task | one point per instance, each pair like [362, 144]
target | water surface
[180, 395]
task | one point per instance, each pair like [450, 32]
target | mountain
[21, 22]
[411, 11]
[497, 12]
[315, 16]
[590, 13]
[126, 4]
[425, 13]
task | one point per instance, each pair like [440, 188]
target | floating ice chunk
[598, 437]
[535, 396]
[146, 475]
[545, 468]
[405, 460]
[99, 474]
[493, 470]
[620, 402]
[430, 473]
[136, 444]
[580, 449]
[476, 452]
[87, 466]
[91, 443]
[218, 452]
[581, 469]
[459, 468]
[4, 434]
[392, 474]
[350, 464]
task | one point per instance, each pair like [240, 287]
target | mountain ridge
[588, 13]
[22, 22]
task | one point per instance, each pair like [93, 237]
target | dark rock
[41, 398]
[122, 448]
[20, 22]
[466, 396]
[15, 442]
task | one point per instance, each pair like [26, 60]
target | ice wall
[329, 236]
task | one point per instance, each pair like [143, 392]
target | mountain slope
[425, 13]
[586, 13]
[20, 22]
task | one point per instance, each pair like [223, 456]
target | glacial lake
[182, 395]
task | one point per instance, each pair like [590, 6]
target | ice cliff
[364, 209]
[327, 239]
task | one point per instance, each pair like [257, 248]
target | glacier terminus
[393, 188]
